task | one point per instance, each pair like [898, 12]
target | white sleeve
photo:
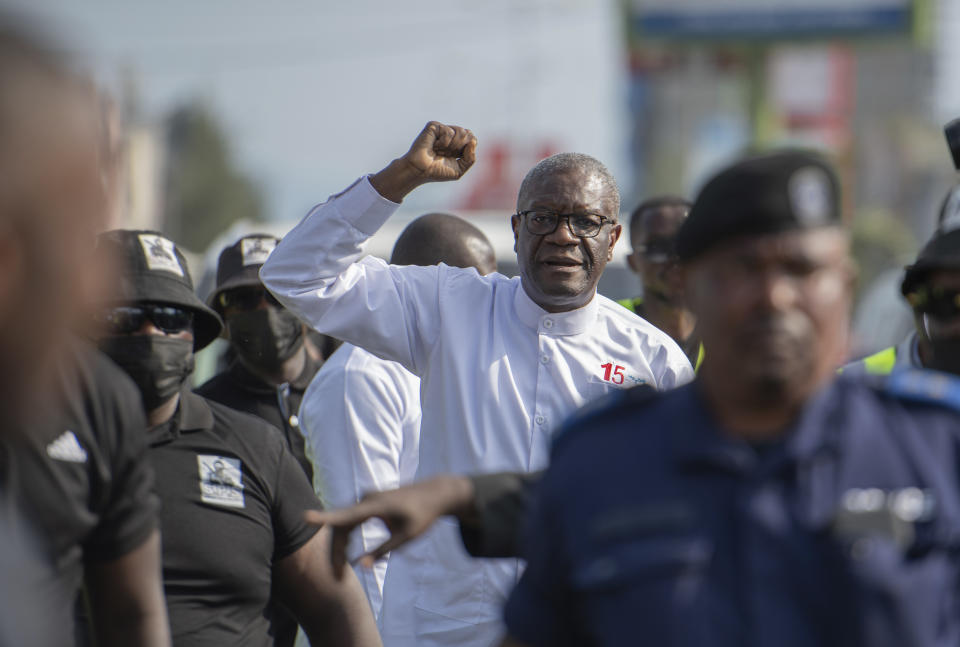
[316, 271]
[671, 366]
[353, 419]
[676, 373]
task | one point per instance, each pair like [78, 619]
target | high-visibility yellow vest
[636, 302]
[880, 363]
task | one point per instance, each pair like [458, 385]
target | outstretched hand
[440, 153]
[407, 512]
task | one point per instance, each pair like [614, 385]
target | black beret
[766, 194]
[240, 263]
[151, 268]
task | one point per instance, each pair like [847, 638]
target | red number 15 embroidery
[612, 373]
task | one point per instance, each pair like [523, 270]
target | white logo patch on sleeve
[255, 251]
[221, 480]
[160, 253]
[67, 448]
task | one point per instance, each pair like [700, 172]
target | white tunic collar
[572, 322]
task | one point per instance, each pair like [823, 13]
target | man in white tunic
[361, 414]
[502, 361]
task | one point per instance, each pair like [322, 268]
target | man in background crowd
[361, 414]
[931, 287]
[653, 257]
[271, 368]
[501, 361]
[235, 545]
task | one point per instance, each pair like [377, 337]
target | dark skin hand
[440, 153]
[126, 598]
[332, 609]
[407, 512]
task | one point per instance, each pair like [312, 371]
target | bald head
[563, 163]
[443, 238]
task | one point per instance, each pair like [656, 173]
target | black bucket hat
[239, 264]
[151, 268]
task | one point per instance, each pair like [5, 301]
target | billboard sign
[769, 18]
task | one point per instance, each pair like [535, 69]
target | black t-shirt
[79, 472]
[233, 503]
[240, 389]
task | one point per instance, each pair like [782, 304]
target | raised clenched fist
[440, 153]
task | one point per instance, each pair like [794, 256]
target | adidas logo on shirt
[67, 448]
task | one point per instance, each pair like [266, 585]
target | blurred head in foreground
[769, 278]
[52, 203]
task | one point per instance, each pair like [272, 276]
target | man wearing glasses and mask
[502, 361]
[271, 368]
[234, 541]
[931, 286]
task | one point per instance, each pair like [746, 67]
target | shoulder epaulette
[923, 385]
[613, 404]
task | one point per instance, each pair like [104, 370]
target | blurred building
[868, 81]
[146, 154]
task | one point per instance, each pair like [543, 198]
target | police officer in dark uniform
[271, 367]
[235, 545]
[768, 502]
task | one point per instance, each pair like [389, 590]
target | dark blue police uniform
[654, 527]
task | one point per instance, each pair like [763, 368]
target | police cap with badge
[764, 194]
[152, 273]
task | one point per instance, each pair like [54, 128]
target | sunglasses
[248, 298]
[658, 251]
[124, 320]
[936, 302]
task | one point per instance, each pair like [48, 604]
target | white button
[294, 421]
[545, 359]
[538, 420]
[548, 323]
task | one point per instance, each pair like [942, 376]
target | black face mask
[266, 338]
[157, 365]
[945, 355]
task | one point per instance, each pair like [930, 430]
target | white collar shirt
[498, 375]
[360, 417]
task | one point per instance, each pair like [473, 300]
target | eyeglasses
[936, 302]
[585, 225]
[658, 251]
[124, 320]
[247, 298]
